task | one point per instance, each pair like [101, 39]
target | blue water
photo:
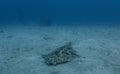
[80, 11]
[32, 28]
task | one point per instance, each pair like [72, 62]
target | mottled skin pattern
[61, 55]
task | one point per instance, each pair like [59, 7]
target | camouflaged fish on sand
[61, 55]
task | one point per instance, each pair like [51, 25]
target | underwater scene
[59, 37]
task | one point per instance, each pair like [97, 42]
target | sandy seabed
[21, 48]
